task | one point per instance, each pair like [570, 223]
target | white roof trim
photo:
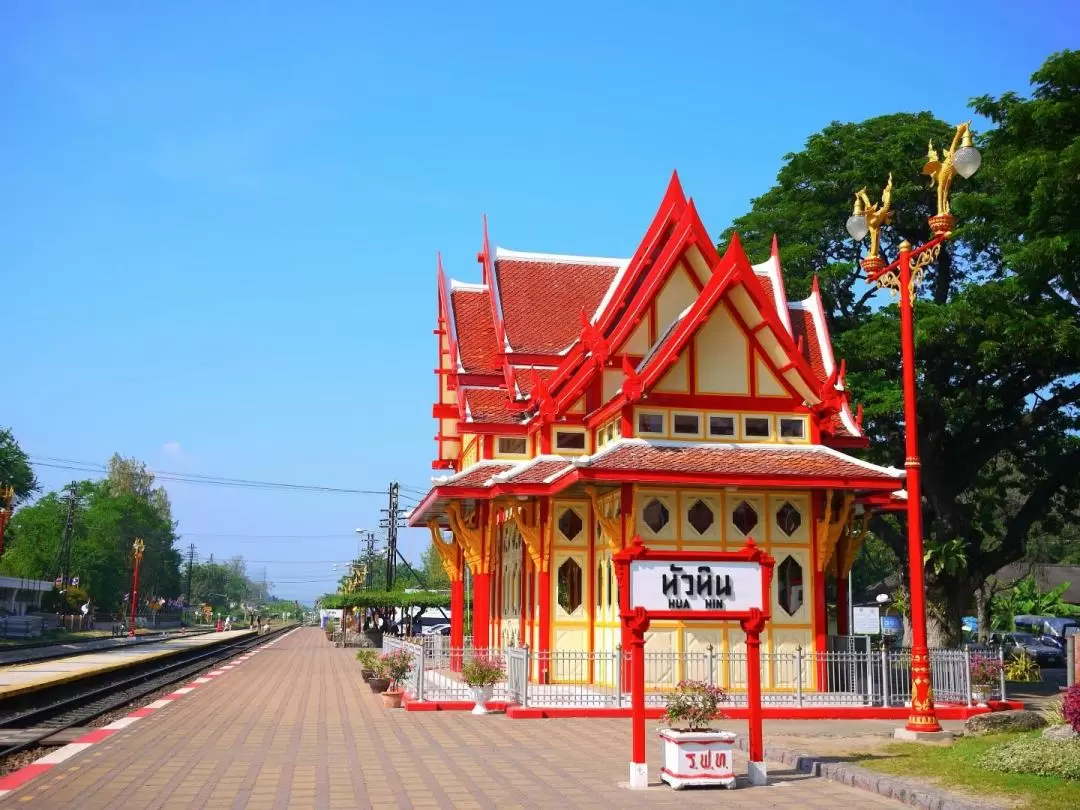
[614, 285]
[524, 465]
[900, 494]
[466, 286]
[771, 268]
[754, 446]
[817, 313]
[849, 420]
[558, 258]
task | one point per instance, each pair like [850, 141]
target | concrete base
[639, 775]
[923, 736]
[758, 773]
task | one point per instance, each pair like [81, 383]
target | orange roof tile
[737, 460]
[475, 476]
[490, 405]
[542, 301]
[523, 377]
[478, 348]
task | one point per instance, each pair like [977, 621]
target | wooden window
[569, 440]
[722, 426]
[757, 427]
[686, 424]
[512, 445]
[792, 427]
[651, 423]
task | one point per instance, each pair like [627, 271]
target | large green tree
[106, 519]
[997, 320]
[15, 469]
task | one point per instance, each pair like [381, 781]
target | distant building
[1045, 576]
[19, 596]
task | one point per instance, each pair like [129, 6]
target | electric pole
[390, 523]
[63, 554]
[190, 565]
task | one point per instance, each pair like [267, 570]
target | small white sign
[866, 621]
[666, 585]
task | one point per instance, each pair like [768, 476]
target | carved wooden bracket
[469, 538]
[850, 542]
[447, 551]
[831, 525]
[524, 517]
[611, 526]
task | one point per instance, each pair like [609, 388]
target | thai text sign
[663, 585]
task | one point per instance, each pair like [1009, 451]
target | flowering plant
[396, 665]
[1070, 707]
[368, 658]
[984, 669]
[482, 670]
[693, 704]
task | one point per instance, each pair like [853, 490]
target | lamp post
[137, 547]
[7, 502]
[901, 277]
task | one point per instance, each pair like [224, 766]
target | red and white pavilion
[677, 395]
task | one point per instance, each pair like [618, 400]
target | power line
[198, 478]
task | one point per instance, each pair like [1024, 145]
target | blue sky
[219, 221]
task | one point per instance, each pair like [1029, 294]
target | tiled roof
[490, 405]
[542, 301]
[802, 325]
[478, 348]
[523, 377]
[537, 472]
[736, 460]
[475, 476]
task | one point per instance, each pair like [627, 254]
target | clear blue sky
[219, 220]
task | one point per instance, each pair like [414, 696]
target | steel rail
[77, 710]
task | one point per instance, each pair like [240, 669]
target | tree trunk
[982, 612]
[944, 609]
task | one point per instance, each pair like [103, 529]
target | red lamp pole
[138, 547]
[7, 499]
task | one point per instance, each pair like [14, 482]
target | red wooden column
[626, 513]
[543, 641]
[753, 627]
[636, 625]
[457, 610]
[481, 582]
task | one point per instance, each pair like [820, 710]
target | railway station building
[677, 395]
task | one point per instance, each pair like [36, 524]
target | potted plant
[694, 753]
[380, 681]
[984, 671]
[396, 664]
[481, 673]
[369, 661]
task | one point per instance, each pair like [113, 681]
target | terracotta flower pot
[392, 700]
[379, 685]
[367, 674]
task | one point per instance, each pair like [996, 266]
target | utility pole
[63, 554]
[190, 565]
[390, 523]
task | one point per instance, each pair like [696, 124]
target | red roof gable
[541, 301]
[523, 377]
[478, 348]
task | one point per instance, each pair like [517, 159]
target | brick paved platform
[295, 728]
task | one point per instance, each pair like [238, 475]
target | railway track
[68, 649]
[75, 704]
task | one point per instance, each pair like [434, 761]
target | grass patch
[957, 766]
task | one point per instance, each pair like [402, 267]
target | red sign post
[693, 586]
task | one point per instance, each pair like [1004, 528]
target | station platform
[25, 678]
[291, 726]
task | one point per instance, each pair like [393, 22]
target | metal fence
[563, 678]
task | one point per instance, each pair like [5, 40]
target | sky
[219, 221]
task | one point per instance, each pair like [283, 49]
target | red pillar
[457, 622]
[922, 717]
[753, 628]
[637, 623]
[543, 646]
[626, 509]
[5, 513]
[481, 615]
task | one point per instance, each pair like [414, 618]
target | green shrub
[1035, 755]
[368, 658]
[481, 670]
[1023, 669]
[1054, 712]
[694, 704]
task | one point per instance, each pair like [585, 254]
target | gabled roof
[542, 295]
[472, 329]
[488, 406]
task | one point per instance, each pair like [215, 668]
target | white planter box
[481, 695]
[697, 758]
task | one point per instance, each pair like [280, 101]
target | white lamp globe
[856, 227]
[882, 598]
[967, 161]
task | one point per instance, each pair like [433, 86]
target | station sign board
[729, 586]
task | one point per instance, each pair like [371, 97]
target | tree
[15, 469]
[432, 568]
[106, 521]
[997, 320]
[1025, 599]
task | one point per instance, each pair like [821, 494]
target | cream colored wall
[722, 356]
[639, 342]
[785, 632]
[766, 383]
[677, 294]
[570, 630]
[612, 382]
[677, 380]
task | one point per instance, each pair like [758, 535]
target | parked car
[1042, 652]
[436, 630]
